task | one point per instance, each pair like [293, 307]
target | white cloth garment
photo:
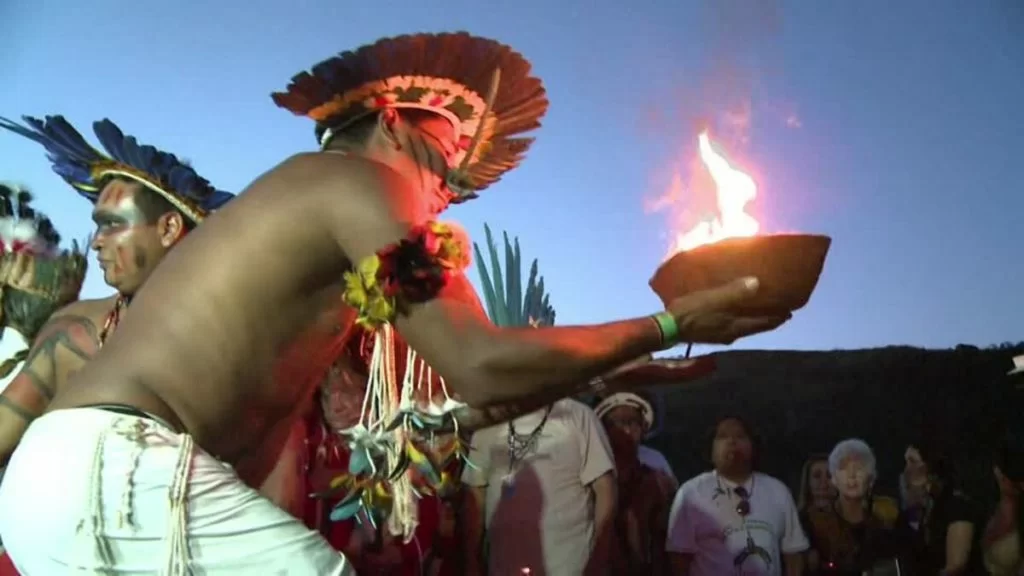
[89, 489]
[704, 522]
[540, 511]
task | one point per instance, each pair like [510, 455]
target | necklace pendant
[508, 485]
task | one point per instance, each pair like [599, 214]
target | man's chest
[721, 523]
[532, 445]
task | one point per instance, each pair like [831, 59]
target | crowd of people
[269, 398]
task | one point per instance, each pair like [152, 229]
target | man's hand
[710, 317]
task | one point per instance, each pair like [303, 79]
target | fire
[734, 189]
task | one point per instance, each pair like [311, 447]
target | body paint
[123, 231]
[114, 192]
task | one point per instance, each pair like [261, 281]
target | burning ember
[734, 189]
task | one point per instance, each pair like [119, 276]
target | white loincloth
[94, 490]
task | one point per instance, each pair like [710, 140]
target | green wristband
[668, 328]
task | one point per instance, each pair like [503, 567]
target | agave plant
[507, 303]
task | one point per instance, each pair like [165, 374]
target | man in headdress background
[407, 126]
[36, 279]
[135, 226]
[139, 216]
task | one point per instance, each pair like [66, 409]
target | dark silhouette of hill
[804, 402]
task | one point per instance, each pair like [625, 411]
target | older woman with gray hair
[857, 535]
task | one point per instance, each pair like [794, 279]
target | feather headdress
[36, 277]
[85, 168]
[483, 87]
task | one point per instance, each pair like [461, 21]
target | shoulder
[961, 507]
[352, 176]
[575, 407]
[772, 484]
[886, 509]
[819, 515]
[650, 455]
[575, 411]
[820, 521]
[665, 483]
[85, 316]
[697, 484]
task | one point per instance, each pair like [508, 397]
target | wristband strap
[669, 329]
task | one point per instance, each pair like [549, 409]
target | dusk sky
[894, 127]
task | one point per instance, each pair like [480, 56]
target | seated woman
[857, 534]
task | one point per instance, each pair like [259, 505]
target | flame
[734, 190]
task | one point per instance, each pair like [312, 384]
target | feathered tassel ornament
[393, 460]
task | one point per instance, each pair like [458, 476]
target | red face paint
[122, 233]
[114, 192]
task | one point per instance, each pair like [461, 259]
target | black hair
[755, 437]
[940, 466]
[153, 206]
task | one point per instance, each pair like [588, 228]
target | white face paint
[853, 478]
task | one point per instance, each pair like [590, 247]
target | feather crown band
[483, 87]
[85, 168]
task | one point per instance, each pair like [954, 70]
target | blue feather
[348, 507]
[73, 160]
[359, 462]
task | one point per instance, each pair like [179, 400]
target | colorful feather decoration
[484, 88]
[85, 168]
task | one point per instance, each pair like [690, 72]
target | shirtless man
[135, 227]
[235, 298]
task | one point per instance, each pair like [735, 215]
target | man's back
[224, 305]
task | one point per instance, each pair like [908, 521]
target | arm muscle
[485, 365]
[30, 392]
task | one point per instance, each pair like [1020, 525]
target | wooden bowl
[788, 266]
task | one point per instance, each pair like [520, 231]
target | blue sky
[894, 127]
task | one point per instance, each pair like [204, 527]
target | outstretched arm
[485, 365]
[630, 376]
[65, 336]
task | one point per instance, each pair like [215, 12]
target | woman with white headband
[645, 494]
